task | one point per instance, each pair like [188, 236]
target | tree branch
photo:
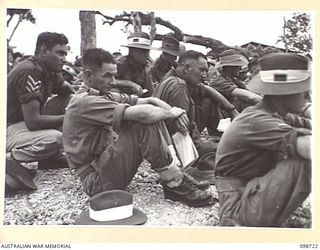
[147, 19]
[9, 20]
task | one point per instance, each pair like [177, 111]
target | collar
[85, 88]
[41, 66]
[174, 72]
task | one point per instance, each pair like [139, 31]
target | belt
[227, 184]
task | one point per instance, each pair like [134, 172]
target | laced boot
[188, 194]
[57, 162]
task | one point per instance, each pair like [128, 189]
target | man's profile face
[168, 57]
[103, 78]
[294, 103]
[139, 56]
[56, 57]
[197, 70]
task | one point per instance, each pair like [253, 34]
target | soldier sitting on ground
[263, 162]
[107, 134]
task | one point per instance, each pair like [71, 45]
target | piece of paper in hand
[223, 124]
[186, 150]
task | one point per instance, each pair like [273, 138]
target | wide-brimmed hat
[232, 58]
[113, 207]
[282, 74]
[69, 70]
[139, 40]
[18, 177]
[171, 46]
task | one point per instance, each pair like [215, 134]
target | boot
[17, 177]
[57, 162]
[188, 194]
[199, 183]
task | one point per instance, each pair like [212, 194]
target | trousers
[29, 146]
[119, 162]
[206, 114]
[265, 201]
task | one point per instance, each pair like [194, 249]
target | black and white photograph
[159, 118]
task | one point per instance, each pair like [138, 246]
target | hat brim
[268, 88]
[139, 46]
[137, 218]
[241, 64]
[20, 174]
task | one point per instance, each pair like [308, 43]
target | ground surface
[60, 199]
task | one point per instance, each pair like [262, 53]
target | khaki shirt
[90, 124]
[256, 140]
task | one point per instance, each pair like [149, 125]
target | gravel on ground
[60, 199]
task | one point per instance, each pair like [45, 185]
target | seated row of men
[107, 127]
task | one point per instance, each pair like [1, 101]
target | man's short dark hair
[96, 57]
[190, 54]
[50, 39]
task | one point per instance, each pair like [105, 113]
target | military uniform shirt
[90, 124]
[224, 85]
[254, 142]
[29, 81]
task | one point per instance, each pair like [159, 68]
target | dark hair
[116, 54]
[96, 57]
[190, 54]
[50, 39]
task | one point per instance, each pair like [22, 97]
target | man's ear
[186, 68]
[43, 50]
[87, 74]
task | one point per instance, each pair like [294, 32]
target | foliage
[296, 35]
[24, 15]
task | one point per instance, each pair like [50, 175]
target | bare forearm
[246, 95]
[147, 113]
[219, 98]
[154, 101]
[45, 122]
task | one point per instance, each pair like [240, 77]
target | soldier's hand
[137, 89]
[233, 113]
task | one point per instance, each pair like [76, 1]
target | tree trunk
[136, 21]
[153, 30]
[88, 30]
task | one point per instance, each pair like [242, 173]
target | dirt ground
[60, 199]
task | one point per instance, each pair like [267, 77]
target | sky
[230, 27]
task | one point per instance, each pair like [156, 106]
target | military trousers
[119, 162]
[265, 201]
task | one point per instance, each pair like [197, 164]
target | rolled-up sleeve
[98, 110]
[117, 116]
[27, 86]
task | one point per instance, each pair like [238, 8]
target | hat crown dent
[110, 199]
[284, 61]
[170, 42]
[139, 34]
